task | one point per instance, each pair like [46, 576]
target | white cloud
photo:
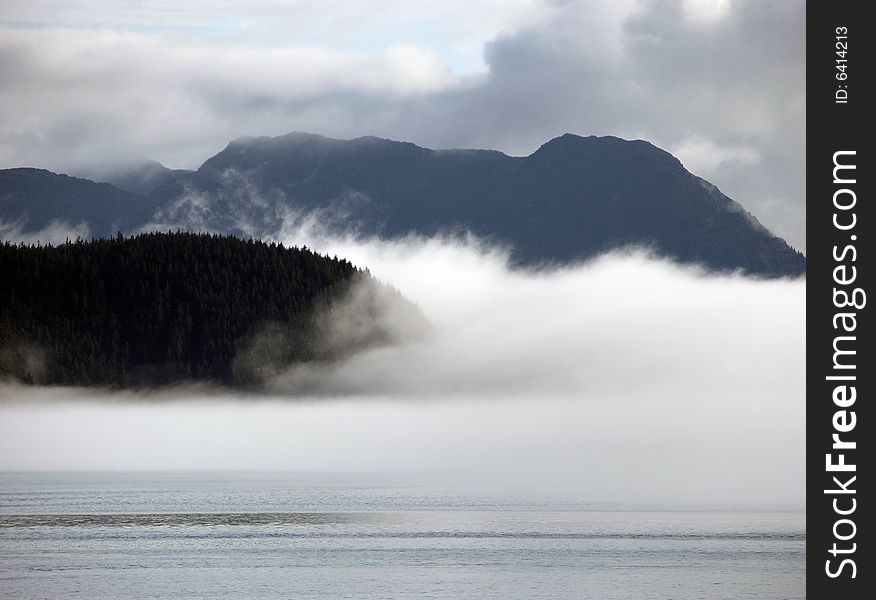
[706, 11]
[73, 92]
[622, 379]
[704, 157]
[451, 29]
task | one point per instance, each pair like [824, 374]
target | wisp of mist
[624, 379]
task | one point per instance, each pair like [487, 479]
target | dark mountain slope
[383, 187]
[609, 192]
[34, 198]
[139, 178]
[572, 199]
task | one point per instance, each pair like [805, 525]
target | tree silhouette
[158, 307]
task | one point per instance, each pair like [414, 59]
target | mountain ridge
[571, 199]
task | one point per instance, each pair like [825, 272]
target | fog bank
[626, 378]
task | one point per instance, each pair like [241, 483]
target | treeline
[157, 308]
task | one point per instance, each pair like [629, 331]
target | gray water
[232, 535]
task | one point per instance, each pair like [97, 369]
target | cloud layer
[624, 379]
[719, 83]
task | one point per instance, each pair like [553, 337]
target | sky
[719, 83]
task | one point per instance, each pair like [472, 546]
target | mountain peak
[572, 199]
[606, 146]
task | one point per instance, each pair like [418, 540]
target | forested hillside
[158, 308]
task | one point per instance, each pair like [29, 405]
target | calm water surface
[123, 536]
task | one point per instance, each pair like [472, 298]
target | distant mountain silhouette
[572, 199]
[34, 198]
[138, 178]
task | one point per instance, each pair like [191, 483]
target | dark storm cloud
[719, 83]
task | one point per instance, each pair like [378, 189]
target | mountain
[160, 308]
[570, 200]
[34, 199]
[138, 178]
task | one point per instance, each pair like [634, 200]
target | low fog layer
[56, 232]
[624, 379]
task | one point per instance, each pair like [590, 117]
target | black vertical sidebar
[839, 232]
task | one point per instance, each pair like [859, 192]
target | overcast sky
[720, 83]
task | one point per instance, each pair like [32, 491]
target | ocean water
[255, 535]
